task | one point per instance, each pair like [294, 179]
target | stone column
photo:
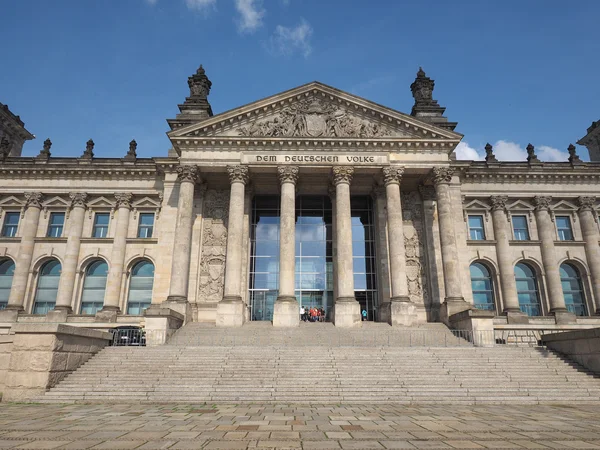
[547, 235]
[454, 301]
[109, 311]
[402, 310]
[589, 228]
[66, 285]
[382, 270]
[230, 310]
[33, 205]
[508, 285]
[286, 312]
[346, 309]
[182, 247]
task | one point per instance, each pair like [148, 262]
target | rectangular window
[476, 231]
[563, 226]
[146, 225]
[520, 229]
[55, 226]
[101, 225]
[11, 223]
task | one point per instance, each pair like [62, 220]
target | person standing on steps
[302, 314]
[364, 315]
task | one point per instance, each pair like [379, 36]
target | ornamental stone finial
[33, 199]
[89, 150]
[45, 151]
[427, 192]
[342, 174]
[78, 199]
[499, 202]
[392, 175]
[422, 88]
[287, 174]
[586, 203]
[573, 157]
[531, 156]
[489, 153]
[188, 173]
[238, 174]
[123, 199]
[199, 84]
[132, 152]
[542, 202]
[442, 175]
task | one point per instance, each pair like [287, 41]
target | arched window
[481, 285]
[94, 287]
[140, 288]
[47, 287]
[571, 285]
[7, 270]
[529, 300]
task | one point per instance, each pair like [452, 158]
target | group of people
[312, 314]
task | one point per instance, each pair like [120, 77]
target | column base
[59, 314]
[230, 312]
[402, 312]
[11, 313]
[107, 314]
[286, 312]
[564, 317]
[451, 306]
[346, 313]
[516, 316]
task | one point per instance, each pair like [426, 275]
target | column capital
[188, 173]
[586, 203]
[499, 202]
[287, 174]
[33, 199]
[442, 175]
[238, 174]
[427, 192]
[123, 199]
[342, 174]
[78, 199]
[392, 175]
[542, 202]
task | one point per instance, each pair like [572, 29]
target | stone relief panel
[214, 246]
[412, 214]
[314, 117]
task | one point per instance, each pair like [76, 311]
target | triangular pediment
[55, 202]
[101, 202]
[477, 204]
[146, 202]
[564, 206]
[314, 111]
[520, 205]
[11, 201]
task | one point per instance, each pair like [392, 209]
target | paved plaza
[35, 426]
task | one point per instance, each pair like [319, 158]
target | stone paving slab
[262, 426]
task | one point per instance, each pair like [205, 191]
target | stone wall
[5, 350]
[582, 346]
[43, 354]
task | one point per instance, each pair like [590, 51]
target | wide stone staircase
[318, 363]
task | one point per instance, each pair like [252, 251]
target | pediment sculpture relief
[315, 118]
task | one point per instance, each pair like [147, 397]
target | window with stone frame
[101, 222]
[145, 225]
[56, 224]
[10, 224]
[520, 227]
[476, 227]
[564, 229]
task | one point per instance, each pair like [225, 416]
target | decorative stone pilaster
[547, 234]
[230, 310]
[454, 301]
[66, 285]
[403, 311]
[286, 310]
[180, 264]
[508, 285]
[589, 229]
[346, 309]
[109, 311]
[29, 226]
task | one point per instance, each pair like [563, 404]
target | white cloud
[286, 41]
[251, 15]
[203, 6]
[510, 151]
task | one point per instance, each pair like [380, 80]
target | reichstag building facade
[311, 198]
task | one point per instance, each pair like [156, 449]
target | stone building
[312, 197]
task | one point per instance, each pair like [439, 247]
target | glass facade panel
[11, 224]
[55, 226]
[520, 229]
[527, 292]
[94, 287]
[481, 285]
[47, 287]
[563, 227]
[476, 230]
[140, 288]
[7, 270]
[572, 290]
[363, 252]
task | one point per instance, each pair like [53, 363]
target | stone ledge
[159, 311]
[59, 328]
[472, 313]
[590, 333]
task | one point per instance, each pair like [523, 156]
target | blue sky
[509, 72]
